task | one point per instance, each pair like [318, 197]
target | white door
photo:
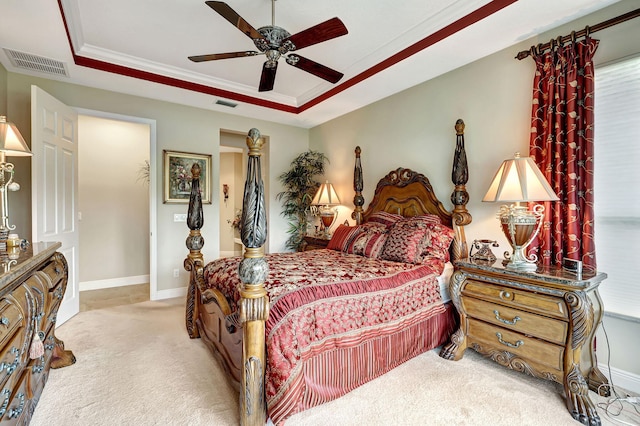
[54, 185]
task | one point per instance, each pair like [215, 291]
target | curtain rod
[587, 30]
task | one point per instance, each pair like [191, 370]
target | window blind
[617, 184]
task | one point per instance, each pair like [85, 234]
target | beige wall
[178, 128]
[415, 129]
[114, 203]
[3, 91]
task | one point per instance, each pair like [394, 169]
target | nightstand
[541, 323]
[314, 243]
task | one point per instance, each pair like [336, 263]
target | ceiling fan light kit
[274, 42]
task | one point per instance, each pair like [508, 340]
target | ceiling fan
[275, 42]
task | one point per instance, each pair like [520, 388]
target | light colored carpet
[137, 366]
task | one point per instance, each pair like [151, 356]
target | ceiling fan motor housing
[273, 39]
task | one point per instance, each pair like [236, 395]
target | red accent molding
[462, 23]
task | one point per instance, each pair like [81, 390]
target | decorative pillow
[425, 220]
[368, 239]
[342, 237]
[368, 244]
[437, 242]
[385, 218]
[405, 242]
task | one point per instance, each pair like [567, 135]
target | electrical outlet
[180, 217]
[176, 273]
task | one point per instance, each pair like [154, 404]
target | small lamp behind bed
[520, 180]
[325, 199]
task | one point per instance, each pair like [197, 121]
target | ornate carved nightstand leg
[578, 401]
[61, 357]
[456, 347]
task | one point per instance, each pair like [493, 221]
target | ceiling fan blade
[216, 56]
[236, 20]
[324, 31]
[314, 68]
[268, 77]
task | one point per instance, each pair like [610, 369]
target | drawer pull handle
[511, 345]
[4, 321]
[15, 412]
[7, 393]
[508, 322]
[505, 295]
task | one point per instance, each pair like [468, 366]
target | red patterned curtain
[562, 146]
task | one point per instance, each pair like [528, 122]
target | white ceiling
[156, 36]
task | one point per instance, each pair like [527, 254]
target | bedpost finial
[254, 142]
[459, 126]
[195, 171]
[358, 151]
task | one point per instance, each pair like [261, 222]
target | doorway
[233, 172]
[116, 209]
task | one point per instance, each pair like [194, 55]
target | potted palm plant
[300, 187]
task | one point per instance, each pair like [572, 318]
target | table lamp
[11, 144]
[325, 199]
[519, 180]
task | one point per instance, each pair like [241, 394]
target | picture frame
[177, 176]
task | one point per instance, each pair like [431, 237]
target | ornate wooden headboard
[408, 193]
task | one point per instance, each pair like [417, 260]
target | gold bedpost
[254, 302]
[460, 196]
[358, 199]
[194, 263]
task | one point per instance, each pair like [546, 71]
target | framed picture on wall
[177, 176]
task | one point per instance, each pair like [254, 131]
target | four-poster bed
[294, 330]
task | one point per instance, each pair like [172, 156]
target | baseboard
[621, 378]
[169, 293]
[113, 282]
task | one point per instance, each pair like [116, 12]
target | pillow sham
[437, 243]
[368, 243]
[342, 237]
[405, 242]
[424, 220]
[418, 238]
[384, 218]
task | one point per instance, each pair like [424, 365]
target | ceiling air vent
[31, 62]
[226, 103]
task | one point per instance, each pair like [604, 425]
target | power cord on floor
[615, 406]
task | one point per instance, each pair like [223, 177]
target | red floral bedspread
[321, 296]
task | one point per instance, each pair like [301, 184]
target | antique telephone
[483, 250]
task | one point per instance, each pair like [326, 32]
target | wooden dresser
[541, 323]
[32, 285]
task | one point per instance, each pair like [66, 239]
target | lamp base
[520, 266]
[520, 226]
[327, 218]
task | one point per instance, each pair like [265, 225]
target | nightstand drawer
[532, 302]
[530, 348]
[549, 329]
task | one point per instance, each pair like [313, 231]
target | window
[617, 184]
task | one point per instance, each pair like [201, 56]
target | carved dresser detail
[32, 284]
[541, 323]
